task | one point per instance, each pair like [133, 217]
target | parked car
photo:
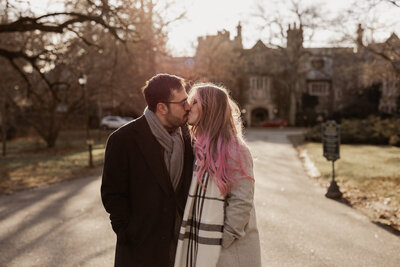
[274, 123]
[114, 122]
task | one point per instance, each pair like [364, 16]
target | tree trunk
[3, 124]
[51, 140]
[50, 143]
[49, 133]
[292, 108]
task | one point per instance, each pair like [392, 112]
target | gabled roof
[259, 45]
[393, 39]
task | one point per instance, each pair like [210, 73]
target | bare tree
[219, 60]
[275, 23]
[51, 51]
[39, 48]
[3, 121]
[381, 57]
[70, 21]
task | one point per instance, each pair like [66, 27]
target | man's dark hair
[159, 89]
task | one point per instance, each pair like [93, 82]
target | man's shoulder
[129, 129]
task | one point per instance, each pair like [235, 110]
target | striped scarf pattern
[200, 236]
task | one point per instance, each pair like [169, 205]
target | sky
[210, 16]
[207, 17]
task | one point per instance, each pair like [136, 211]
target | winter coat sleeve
[239, 201]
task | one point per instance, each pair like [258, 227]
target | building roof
[259, 45]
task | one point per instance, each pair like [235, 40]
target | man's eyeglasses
[182, 103]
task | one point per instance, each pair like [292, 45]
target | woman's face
[195, 110]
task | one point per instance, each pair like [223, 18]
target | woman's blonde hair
[217, 133]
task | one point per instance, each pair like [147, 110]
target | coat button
[163, 237]
[165, 210]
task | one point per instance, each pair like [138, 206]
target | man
[146, 177]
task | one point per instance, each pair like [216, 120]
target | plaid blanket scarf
[200, 236]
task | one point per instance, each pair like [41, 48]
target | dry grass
[359, 161]
[30, 164]
[368, 175]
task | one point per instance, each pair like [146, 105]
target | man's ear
[162, 108]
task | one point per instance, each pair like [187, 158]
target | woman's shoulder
[240, 146]
[243, 146]
[240, 150]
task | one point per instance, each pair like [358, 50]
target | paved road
[299, 226]
[65, 224]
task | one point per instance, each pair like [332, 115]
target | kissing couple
[178, 181]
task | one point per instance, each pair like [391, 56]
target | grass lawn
[368, 175]
[29, 163]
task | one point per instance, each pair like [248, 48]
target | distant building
[331, 77]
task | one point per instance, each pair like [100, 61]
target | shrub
[366, 104]
[372, 130]
[394, 140]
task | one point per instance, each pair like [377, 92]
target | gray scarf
[173, 146]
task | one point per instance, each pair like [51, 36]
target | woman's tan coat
[240, 239]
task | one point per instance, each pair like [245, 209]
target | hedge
[372, 130]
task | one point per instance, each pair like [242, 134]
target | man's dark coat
[137, 192]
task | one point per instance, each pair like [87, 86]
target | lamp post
[89, 141]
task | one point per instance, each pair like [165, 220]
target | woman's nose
[187, 106]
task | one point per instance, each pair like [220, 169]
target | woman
[219, 224]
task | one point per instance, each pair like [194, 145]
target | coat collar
[153, 154]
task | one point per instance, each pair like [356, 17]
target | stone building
[280, 82]
[383, 64]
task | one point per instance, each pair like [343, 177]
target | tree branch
[86, 41]
[394, 2]
[386, 57]
[27, 24]
[13, 55]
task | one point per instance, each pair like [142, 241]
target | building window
[318, 88]
[338, 93]
[259, 82]
[253, 82]
[260, 86]
[317, 63]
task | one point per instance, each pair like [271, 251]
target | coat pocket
[128, 235]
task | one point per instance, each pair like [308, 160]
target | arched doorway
[258, 115]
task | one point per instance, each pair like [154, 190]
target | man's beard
[176, 122]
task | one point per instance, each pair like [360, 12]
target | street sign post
[331, 147]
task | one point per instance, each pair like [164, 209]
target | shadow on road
[33, 218]
[387, 228]
[383, 226]
[343, 201]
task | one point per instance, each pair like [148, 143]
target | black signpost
[331, 145]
